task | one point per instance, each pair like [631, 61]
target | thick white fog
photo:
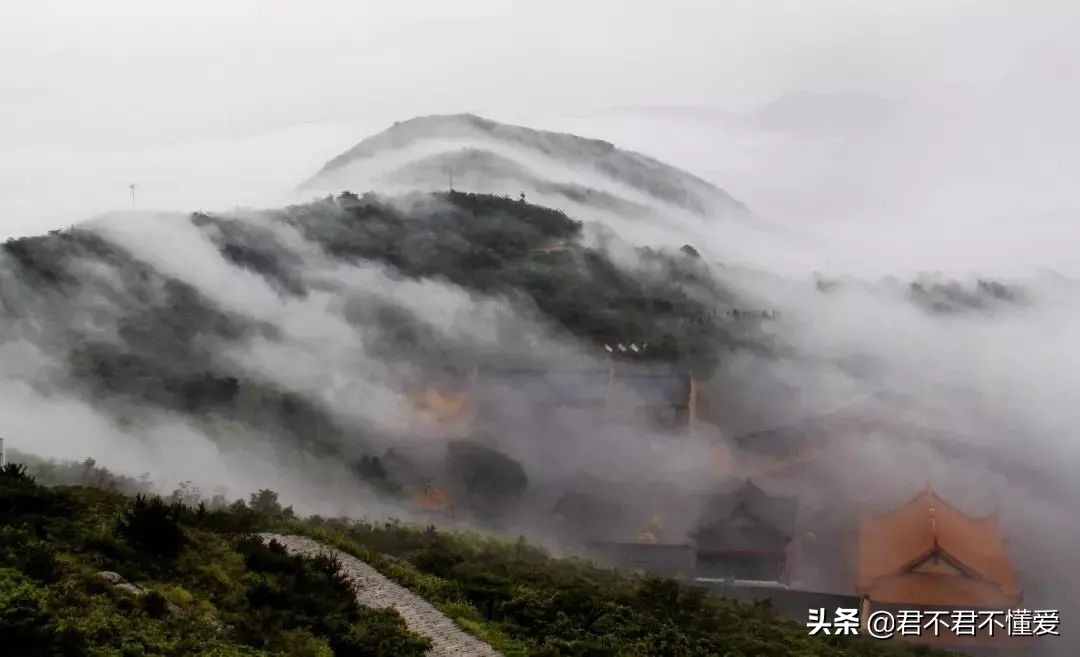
[884, 139]
[204, 105]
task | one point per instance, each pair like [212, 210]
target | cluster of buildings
[924, 554]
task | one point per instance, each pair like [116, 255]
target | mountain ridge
[662, 182]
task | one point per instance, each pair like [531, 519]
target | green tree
[153, 526]
[266, 502]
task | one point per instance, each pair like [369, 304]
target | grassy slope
[211, 589]
[525, 602]
[233, 596]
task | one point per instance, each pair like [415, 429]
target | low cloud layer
[928, 255]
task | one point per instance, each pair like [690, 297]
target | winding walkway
[374, 590]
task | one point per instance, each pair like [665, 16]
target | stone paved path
[375, 590]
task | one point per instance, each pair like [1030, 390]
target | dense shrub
[379, 632]
[153, 526]
[15, 472]
[527, 603]
[182, 582]
[38, 561]
[289, 593]
[265, 502]
[24, 501]
[236, 596]
[26, 628]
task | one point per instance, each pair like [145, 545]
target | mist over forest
[577, 321]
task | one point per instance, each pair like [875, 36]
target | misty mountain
[941, 295]
[418, 354]
[307, 329]
[328, 333]
[481, 155]
[485, 171]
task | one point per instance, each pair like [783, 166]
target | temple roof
[746, 518]
[894, 549]
[936, 590]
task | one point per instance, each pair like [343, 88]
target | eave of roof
[894, 543]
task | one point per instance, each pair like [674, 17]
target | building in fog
[614, 390]
[745, 534]
[674, 560]
[929, 556]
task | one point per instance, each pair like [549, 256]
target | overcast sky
[210, 104]
[215, 102]
[126, 71]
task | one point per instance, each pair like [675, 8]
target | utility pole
[3, 454]
[132, 188]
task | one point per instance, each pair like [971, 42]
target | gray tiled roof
[746, 518]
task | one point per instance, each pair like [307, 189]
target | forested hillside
[86, 571]
[390, 280]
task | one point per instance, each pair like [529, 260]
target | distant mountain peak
[558, 165]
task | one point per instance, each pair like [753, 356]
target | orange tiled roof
[940, 590]
[891, 545]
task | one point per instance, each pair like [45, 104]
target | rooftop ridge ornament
[626, 348]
